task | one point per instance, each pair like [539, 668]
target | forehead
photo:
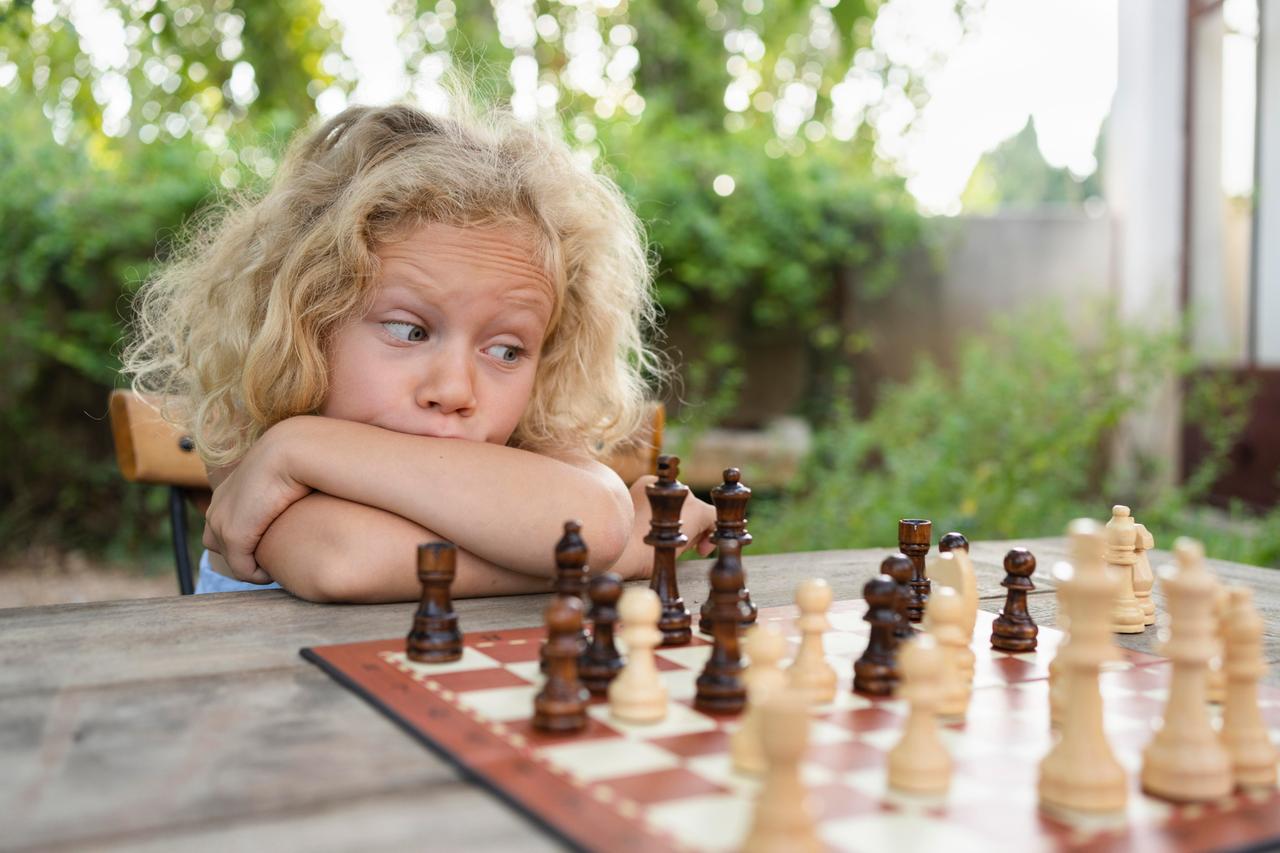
[505, 257]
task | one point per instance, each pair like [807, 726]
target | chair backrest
[151, 450]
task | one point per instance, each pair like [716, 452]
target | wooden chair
[150, 450]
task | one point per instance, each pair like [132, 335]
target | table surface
[194, 722]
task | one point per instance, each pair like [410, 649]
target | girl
[427, 328]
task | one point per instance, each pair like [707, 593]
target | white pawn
[944, 617]
[809, 672]
[955, 569]
[920, 763]
[784, 817]
[765, 646]
[1244, 734]
[1185, 761]
[1122, 535]
[637, 694]
[1143, 578]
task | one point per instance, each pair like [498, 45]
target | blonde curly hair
[233, 331]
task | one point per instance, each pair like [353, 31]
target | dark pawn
[730, 499]
[914, 535]
[898, 567]
[953, 542]
[571, 569]
[720, 687]
[600, 663]
[1014, 630]
[876, 672]
[561, 705]
[435, 637]
[666, 497]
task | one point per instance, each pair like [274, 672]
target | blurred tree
[1014, 174]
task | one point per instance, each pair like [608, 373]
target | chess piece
[1143, 578]
[638, 695]
[719, 688]
[1185, 761]
[944, 620]
[1126, 613]
[765, 647]
[953, 541]
[730, 500]
[1216, 674]
[666, 497]
[875, 673]
[1244, 734]
[1014, 630]
[810, 674]
[1058, 689]
[920, 763]
[561, 704]
[1081, 773]
[898, 567]
[435, 637]
[914, 536]
[954, 569]
[601, 662]
[784, 816]
[571, 572]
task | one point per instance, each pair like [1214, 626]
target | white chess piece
[1244, 734]
[1143, 578]
[1122, 534]
[1185, 761]
[919, 763]
[944, 619]
[637, 694]
[809, 672]
[1080, 772]
[1216, 672]
[955, 569]
[784, 817]
[765, 646]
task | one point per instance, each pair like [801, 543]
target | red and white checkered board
[671, 785]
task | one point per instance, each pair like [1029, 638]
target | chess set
[842, 725]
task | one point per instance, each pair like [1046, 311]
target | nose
[448, 383]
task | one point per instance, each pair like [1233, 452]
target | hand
[697, 521]
[247, 500]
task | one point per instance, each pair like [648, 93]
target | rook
[435, 637]
[914, 536]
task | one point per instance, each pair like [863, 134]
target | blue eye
[505, 353]
[402, 330]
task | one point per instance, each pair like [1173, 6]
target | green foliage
[1015, 175]
[1012, 444]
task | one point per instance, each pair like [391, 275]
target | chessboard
[670, 785]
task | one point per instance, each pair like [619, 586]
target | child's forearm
[506, 506]
[331, 550]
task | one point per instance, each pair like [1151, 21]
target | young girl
[429, 328]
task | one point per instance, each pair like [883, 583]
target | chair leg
[178, 523]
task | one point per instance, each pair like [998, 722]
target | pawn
[898, 567]
[435, 637]
[601, 662]
[1126, 613]
[638, 695]
[875, 673]
[765, 648]
[561, 705]
[784, 815]
[1014, 630]
[810, 674]
[1244, 734]
[955, 569]
[719, 688]
[953, 541]
[920, 763]
[1143, 578]
[944, 618]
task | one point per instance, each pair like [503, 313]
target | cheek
[350, 371]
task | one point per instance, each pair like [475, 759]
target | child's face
[451, 345]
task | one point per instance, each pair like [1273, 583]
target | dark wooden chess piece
[720, 687]
[571, 570]
[666, 497]
[730, 499]
[899, 567]
[953, 541]
[875, 673]
[435, 637]
[601, 662]
[914, 536]
[1014, 630]
[561, 705]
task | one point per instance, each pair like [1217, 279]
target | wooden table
[193, 722]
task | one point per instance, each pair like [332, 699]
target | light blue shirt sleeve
[211, 581]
